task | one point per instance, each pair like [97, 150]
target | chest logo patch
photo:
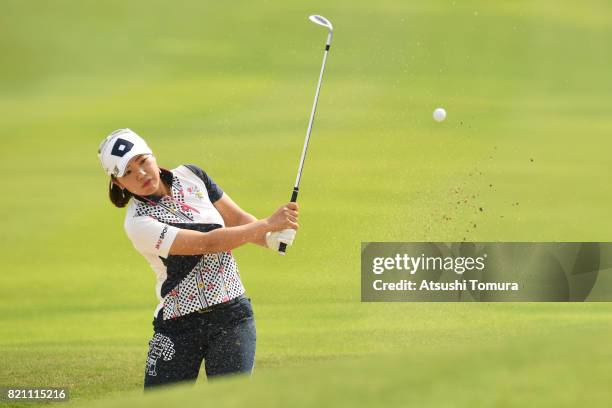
[195, 191]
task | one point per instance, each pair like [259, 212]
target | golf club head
[322, 21]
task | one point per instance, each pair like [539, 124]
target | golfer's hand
[284, 218]
[274, 239]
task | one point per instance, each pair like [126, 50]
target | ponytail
[118, 196]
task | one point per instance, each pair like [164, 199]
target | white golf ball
[439, 114]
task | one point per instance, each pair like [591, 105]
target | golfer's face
[141, 175]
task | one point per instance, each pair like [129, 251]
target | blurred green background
[523, 156]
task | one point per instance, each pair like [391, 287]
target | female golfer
[186, 226]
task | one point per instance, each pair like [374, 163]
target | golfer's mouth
[146, 184]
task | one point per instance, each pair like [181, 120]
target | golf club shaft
[283, 247]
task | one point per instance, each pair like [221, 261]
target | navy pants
[223, 337]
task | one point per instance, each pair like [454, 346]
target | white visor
[118, 149]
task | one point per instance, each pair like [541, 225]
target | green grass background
[528, 91]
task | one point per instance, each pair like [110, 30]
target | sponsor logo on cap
[121, 147]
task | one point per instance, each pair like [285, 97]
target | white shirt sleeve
[150, 236]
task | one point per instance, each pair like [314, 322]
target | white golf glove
[274, 239]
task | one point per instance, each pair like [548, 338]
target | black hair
[118, 196]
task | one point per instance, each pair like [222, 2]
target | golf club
[322, 21]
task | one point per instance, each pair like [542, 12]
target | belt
[223, 305]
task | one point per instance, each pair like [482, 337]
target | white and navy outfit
[202, 311]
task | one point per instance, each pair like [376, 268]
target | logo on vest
[195, 191]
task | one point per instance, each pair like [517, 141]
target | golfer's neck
[166, 189]
[163, 189]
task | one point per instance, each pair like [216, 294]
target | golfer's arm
[234, 216]
[188, 242]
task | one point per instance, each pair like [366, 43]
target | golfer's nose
[140, 173]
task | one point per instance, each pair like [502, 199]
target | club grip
[282, 248]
